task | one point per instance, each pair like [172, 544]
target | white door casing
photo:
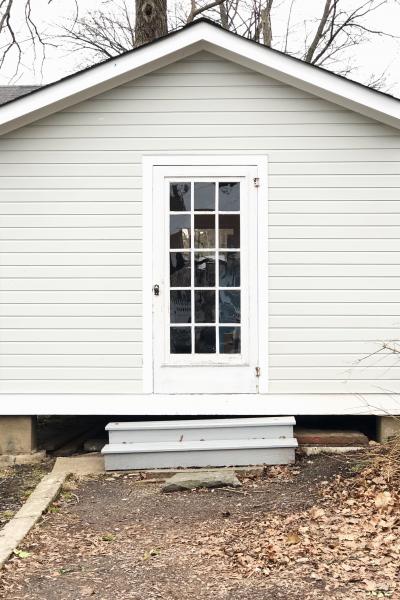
[205, 328]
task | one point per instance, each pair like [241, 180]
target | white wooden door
[205, 313]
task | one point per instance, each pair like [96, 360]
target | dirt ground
[16, 483]
[117, 538]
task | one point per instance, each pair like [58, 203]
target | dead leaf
[293, 538]
[317, 513]
[383, 499]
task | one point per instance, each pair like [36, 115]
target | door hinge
[258, 371]
[256, 182]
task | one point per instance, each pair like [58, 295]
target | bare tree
[151, 20]
[120, 25]
[13, 37]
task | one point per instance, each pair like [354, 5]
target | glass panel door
[204, 258]
[205, 317]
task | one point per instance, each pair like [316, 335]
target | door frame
[149, 162]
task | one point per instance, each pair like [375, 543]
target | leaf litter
[320, 529]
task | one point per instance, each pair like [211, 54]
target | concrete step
[211, 453]
[201, 429]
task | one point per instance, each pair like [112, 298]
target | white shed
[200, 226]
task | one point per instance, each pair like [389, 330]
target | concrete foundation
[17, 435]
[387, 427]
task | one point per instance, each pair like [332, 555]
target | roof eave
[200, 36]
[308, 78]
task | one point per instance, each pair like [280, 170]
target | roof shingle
[10, 92]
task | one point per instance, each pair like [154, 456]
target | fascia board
[318, 82]
[201, 36]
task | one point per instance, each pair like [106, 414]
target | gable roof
[199, 35]
[12, 92]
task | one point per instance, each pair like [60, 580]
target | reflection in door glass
[204, 303]
[179, 228]
[229, 196]
[204, 196]
[229, 340]
[229, 269]
[204, 231]
[179, 269]
[180, 340]
[179, 197]
[204, 269]
[229, 306]
[204, 340]
[229, 231]
[180, 306]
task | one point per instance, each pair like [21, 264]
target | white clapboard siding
[320, 208]
[336, 220]
[80, 361]
[203, 118]
[74, 322]
[220, 130]
[337, 321]
[127, 209]
[366, 364]
[332, 270]
[68, 348]
[330, 309]
[72, 386]
[349, 373]
[71, 170]
[334, 283]
[70, 259]
[71, 196]
[109, 158]
[61, 309]
[340, 385]
[71, 231]
[362, 348]
[350, 258]
[61, 271]
[205, 143]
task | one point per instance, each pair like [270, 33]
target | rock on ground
[204, 479]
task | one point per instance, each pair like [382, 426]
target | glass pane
[229, 307]
[179, 230]
[179, 196]
[229, 340]
[204, 310]
[229, 269]
[180, 309]
[180, 340]
[204, 340]
[229, 196]
[204, 196]
[204, 231]
[204, 269]
[179, 268]
[229, 231]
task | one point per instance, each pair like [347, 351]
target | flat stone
[329, 437]
[15, 530]
[204, 479]
[79, 465]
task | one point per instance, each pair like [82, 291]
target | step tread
[209, 445]
[200, 423]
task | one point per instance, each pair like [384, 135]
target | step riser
[199, 434]
[199, 458]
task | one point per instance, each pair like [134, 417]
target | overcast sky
[380, 54]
